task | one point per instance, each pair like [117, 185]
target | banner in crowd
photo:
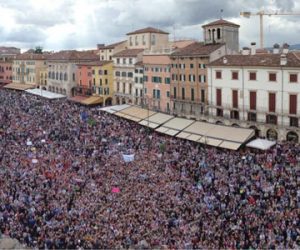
[128, 158]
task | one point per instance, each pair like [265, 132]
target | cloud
[63, 24]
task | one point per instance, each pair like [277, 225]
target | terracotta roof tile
[128, 53]
[94, 63]
[73, 55]
[220, 22]
[112, 46]
[147, 30]
[258, 60]
[32, 56]
[197, 49]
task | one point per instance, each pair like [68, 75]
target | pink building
[157, 78]
[5, 72]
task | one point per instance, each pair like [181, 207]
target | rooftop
[258, 60]
[197, 49]
[147, 30]
[220, 22]
[94, 63]
[113, 45]
[32, 56]
[74, 55]
[128, 53]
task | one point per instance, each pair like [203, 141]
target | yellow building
[103, 80]
[96, 79]
[28, 68]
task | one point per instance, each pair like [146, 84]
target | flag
[128, 158]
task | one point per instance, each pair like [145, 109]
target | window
[105, 72]
[175, 93]
[124, 60]
[167, 80]
[252, 117]
[252, 76]
[145, 78]
[73, 77]
[272, 102]
[202, 66]
[234, 98]
[130, 74]
[136, 40]
[100, 72]
[136, 79]
[118, 60]
[271, 119]
[202, 78]
[156, 79]
[153, 39]
[294, 122]
[293, 104]
[218, 33]
[123, 74]
[183, 93]
[168, 94]
[218, 74]
[65, 77]
[192, 94]
[252, 100]
[153, 93]
[219, 97]
[130, 60]
[106, 81]
[272, 77]
[293, 77]
[117, 73]
[191, 66]
[130, 41]
[158, 94]
[202, 95]
[235, 75]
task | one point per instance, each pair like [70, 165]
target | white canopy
[262, 144]
[45, 93]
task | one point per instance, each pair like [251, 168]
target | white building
[260, 91]
[125, 64]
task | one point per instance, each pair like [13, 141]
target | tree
[38, 50]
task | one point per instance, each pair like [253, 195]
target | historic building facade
[260, 91]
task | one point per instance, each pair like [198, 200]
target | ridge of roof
[147, 30]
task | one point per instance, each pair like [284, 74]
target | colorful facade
[157, 80]
[27, 68]
[62, 70]
[5, 72]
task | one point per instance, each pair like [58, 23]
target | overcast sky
[81, 24]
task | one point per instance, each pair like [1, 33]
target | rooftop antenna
[221, 14]
[174, 33]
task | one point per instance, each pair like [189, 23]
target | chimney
[100, 46]
[253, 48]
[285, 48]
[246, 51]
[283, 60]
[276, 48]
[225, 60]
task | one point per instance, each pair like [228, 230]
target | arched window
[56, 75]
[49, 75]
[53, 75]
[292, 136]
[209, 34]
[272, 134]
[65, 77]
[60, 76]
[218, 33]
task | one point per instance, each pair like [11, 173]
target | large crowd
[64, 184]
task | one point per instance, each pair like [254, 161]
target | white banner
[128, 158]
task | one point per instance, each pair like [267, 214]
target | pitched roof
[113, 45]
[32, 56]
[220, 22]
[94, 63]
[197, 49]
[73, 55]
[128, 53]
[147, 30]
[258, 60]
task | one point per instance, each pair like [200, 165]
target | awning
[92, 100]
[183, 135]
[156, 120]
[77, 98]
[115, 108]
[210, 141]
[45, 93]
[262, 144]
[136, 114]
[19, 86]
[194, 137]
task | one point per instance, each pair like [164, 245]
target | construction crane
[261, 14]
